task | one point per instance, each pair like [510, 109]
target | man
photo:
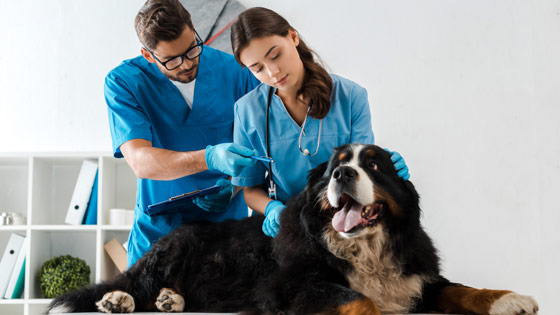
[171, 117]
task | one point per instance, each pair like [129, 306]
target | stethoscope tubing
[272, 185]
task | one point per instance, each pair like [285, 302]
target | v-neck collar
[295, 124]
[201, 89]
[203, 79]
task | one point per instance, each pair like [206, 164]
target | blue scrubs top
[144, 104]
[348, 121]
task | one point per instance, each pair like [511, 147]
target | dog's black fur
[232, 266]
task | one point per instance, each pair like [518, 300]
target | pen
[262, 158]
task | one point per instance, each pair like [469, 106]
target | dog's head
[360, 190]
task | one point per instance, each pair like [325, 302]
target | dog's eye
[372, 166]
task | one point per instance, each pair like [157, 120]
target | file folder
[82, 192]
[90, 217]
[15, 285]
[9, 259]
[179, 203]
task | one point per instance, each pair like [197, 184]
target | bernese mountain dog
[350, 243]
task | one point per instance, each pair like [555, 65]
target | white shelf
[39, 301]
[116, 227]
[40, 186]
[63, 227]
[14, 301]
[13, 228]
[23, 228]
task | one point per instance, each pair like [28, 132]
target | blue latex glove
[229, 158]
[271, 223]
[399, 164]
[217, 201]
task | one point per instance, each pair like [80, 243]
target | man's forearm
[160, 164]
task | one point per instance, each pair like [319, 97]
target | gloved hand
[217, 201]
[229, 158]
[271, 224]
[399, 164]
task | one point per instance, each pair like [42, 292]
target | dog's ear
[310, 224]
[314, 175]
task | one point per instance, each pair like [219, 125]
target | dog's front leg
[358, 307]
[169, 301]
[116, 302]
[456, 298]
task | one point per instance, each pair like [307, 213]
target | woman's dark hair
[161, 20]
[261, 22]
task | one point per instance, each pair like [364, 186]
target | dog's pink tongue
[346, 219]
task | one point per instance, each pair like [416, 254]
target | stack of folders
[12, 267]
[83, 206]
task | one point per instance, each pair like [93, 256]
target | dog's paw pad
[116, 302]
[170, 301]
[515, 304]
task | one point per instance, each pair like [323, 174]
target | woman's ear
[294, 36]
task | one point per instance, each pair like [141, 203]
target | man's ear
[146, 54]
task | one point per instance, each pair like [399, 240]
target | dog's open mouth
[353, 215]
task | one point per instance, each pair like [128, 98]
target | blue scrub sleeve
[362, 131]
[250, 176]
[127, 119]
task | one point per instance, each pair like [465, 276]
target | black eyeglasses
[175, 62]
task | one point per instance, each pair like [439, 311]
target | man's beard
[177, 77]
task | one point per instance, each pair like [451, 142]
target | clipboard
[180, 202]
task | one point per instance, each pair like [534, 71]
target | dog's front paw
[116, 302]
[514, 304]
[169, 301]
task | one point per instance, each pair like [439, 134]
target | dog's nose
[344, 173]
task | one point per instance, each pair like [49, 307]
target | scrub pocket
[212, 134]
[223, 132]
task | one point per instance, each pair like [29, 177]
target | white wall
[467, 91]
[53, 59]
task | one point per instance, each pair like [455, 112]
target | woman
[310, 112]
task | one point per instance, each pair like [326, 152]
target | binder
[15, 285]
[90, 218]
[9, 260]
[82, 192]
[179, 203]
[18, 290]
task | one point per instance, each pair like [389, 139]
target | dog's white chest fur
[375, 275]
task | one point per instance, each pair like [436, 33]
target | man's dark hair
[161, 20]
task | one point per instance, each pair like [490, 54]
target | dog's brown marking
[370, 152]
[359, 307]
[323, 200]
[375, 274]
[342, 156]
[461, 299]
[382, 195]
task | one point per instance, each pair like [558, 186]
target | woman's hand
[271, 224]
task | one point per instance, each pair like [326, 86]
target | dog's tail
[83, 300]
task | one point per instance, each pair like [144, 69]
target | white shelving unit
[40, 186]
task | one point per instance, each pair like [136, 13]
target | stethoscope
[271, 184]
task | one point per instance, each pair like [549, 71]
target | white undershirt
[187, 90]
